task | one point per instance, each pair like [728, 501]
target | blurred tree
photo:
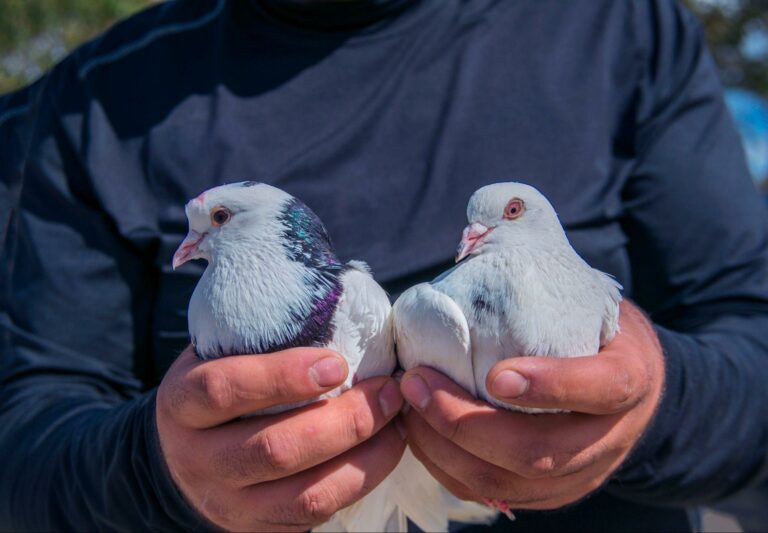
[737, 32]
[35, 34]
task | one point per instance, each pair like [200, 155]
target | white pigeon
[274, 282]
[523, 291]
[519, 289]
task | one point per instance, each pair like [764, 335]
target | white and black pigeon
[274, 282]
[519, 289]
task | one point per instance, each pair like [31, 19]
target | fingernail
[390, 399]
[509, 384]
[327, 371]
[416, 392]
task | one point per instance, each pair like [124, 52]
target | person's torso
[384, 134]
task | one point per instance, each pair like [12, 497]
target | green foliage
[34, 34]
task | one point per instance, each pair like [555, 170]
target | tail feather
[418, 495]
[375, 512]
[427, 503]
[410, 492]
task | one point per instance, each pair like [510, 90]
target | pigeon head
[504, 214]
[256, 215]
[272, 279]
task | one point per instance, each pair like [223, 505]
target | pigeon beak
[188, 249]
[472, 239]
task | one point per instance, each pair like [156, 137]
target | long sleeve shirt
[383, 121]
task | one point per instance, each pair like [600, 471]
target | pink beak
[188, 248]
[471, 239]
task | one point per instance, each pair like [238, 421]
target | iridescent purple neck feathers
[306, 241]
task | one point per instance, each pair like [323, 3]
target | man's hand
[539, 461]
[286, 472]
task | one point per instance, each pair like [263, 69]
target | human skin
[544, 461]
[284, 472]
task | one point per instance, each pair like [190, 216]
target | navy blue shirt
[384, 120]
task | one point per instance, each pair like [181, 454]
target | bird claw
[501, 505]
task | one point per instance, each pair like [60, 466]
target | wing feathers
[431, 330]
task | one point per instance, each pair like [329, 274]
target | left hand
[543, 461]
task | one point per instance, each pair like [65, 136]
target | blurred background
[35, 34]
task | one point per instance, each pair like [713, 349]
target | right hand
[285, 472]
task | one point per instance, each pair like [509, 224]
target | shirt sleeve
[698, 245]
[78, 440]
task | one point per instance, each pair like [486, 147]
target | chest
[528, 305]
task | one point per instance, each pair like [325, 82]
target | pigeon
[273, 282]
[518, 289]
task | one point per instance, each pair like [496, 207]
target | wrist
[638, 467]
[180, 512]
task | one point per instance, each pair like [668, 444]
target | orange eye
[514, 209]
[220, 216]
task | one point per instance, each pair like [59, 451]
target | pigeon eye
[514, 209]
[220, 216]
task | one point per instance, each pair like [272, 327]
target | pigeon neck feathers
[305, 238]
[273, 289]
[306, 241]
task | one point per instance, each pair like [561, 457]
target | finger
[205, 394]
[454, 486]
[454, 467]
[313, 496]
[532, 446]
[271, 447]
[611, 382]
[615, 380]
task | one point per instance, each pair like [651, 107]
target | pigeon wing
[431, 330]
[363, 325]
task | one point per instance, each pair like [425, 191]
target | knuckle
[540, 461]
[558, 391]
[272, 453]
[279, 381]
[541, 466]
[624, 388]
[315, 506]
[451, 427]
[360, 421]
[216, 389]
[283, 386]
